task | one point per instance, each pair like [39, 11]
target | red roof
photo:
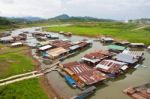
[83, 44]
[85, 73]
[59, 43]
[97, 55]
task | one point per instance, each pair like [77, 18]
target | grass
[27, 89]
[14, 61]
[121, 31]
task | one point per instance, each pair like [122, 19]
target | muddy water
[109, 90]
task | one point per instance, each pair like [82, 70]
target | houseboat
[137, 54]
[7, 39]
[106, 39]
[16, 44]
[60, 43]
[68, 34]
[83, 74]
[126, 58]
[116, 48]
[56, 53]
[112, 68]
[138, 92]
[95, 57]
[137, 45]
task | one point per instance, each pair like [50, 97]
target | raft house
[56, 53]
[138, 92]
[111, 67]
[83, 74]
[116, 48]
[137, 45]
[95, 57]
[16, 44]
[106, 39]
[126, 58]
[137, 54]
[7, 39]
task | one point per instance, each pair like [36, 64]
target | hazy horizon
[108, 9]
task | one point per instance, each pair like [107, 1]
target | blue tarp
[70, 80]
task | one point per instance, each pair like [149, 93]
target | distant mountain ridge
[65, 17]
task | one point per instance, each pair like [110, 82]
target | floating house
[116, 48]
[126, 58]
[137, 54]
[83, 74]
[56, 53]
[60, 43]
[139, 92]
[96, 57]
[43, 43]
[45, 48]
[8, 39]
[122, 43]
[140, 45]
[84, 44]
[74, 48]
[17, 44]
[68, 34]
[112, 67]
[106, 39]
[52, 36]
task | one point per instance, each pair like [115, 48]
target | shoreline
[45, 85]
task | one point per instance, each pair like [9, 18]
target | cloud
[114, 9]
[7, 1]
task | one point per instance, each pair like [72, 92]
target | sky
[107, 9]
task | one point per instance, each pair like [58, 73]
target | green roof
[116, 47]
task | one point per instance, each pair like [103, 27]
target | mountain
[61, 17]
[67, 18]
[5, 21]
[25, 19]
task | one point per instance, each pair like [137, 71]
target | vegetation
[14, 61]
[118, 30]
[27, 89]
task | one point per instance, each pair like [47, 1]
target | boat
[85, 93]
[70, 81]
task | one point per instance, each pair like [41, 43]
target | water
[109, 90]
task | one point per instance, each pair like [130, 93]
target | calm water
[109, 90]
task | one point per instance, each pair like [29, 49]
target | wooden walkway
[28, 75]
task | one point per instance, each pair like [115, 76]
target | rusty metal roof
[85, 73]
[96, 56]
[60, 43]
[111, 66]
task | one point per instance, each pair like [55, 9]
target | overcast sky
[112, 9]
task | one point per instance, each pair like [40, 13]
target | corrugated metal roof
[96, 56]
[56, 51]
[116, 47]
[85, 73]
[45, 47]
[110, 66]
[74, 47]
[126, 58]
[133, 53]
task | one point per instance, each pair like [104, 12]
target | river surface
[111, 89]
